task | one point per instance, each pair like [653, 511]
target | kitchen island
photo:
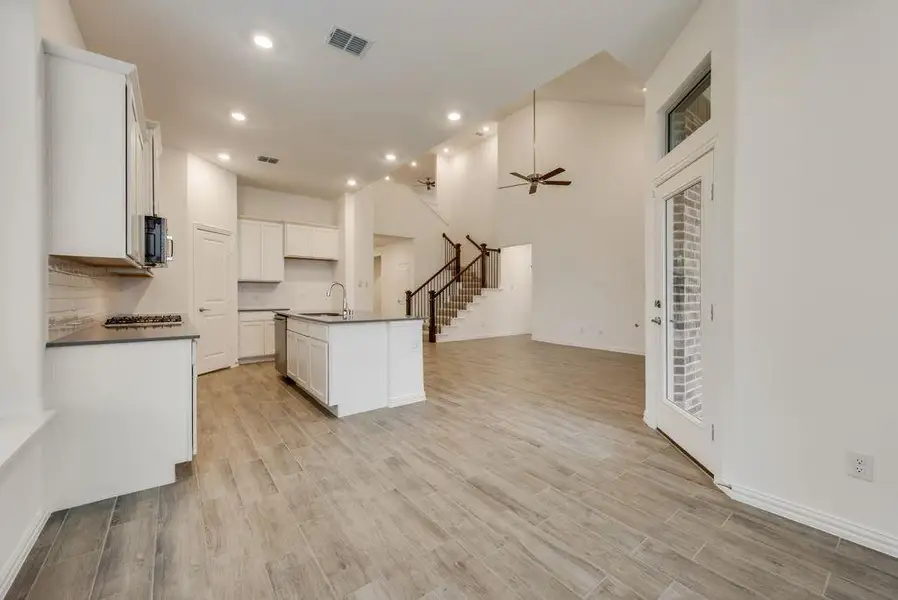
[354, 365]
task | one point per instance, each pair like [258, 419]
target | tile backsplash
[78, 296]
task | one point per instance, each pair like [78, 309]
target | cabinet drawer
[319, 332]
[255, 316]
[297, 326]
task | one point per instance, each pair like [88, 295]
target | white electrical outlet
[860, 466]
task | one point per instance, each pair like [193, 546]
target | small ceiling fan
[427, 182]
[534, 180]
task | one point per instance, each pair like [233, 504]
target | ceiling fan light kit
[534, 180]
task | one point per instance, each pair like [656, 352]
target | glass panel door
[685, 412]
[683, 270]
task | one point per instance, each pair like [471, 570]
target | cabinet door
[291, 355]
[302, 360]
[318, 369]
[272, 252]
[325, 243]
[269, 337]
[132, 235]
[250, 244]
[298, 241]
[251, 339]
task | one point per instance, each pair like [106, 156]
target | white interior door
[211, 276]
[683, 212]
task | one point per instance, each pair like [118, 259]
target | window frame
[690, 94]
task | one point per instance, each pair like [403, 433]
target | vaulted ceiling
[329, 115]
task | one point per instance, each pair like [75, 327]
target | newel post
[432, 334]
[408, 303]
[484, 254]
[457, 259]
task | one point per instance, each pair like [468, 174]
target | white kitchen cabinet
[269, 338]
[311, 241]
[318, 369]
[96, 146]
[261, 251]
[302, 348]
[255, 336]
[291, 355]
[297, 241]
[251, 339]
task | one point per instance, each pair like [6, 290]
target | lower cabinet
[255, 336]
[318, 369]
[307, 364]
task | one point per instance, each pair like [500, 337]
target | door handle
[204, 309]
[656, 320]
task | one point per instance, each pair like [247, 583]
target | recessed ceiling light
[645, 89]
[387, 178]
[485, 129]
[238, 116]
[414, 164]
[351, 182]
[263, 41]
[453, 116]
[224, 156]
[390, 157]
[445, 150]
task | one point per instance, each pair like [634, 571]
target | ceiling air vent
[268, 159]
[348, 42]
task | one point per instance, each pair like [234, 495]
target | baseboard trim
[838, 526]
[405, 400]
[15, 562]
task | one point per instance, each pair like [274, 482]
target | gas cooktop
[143, 321]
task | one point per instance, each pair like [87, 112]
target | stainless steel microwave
[159, 247]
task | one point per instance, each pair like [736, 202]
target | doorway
[682, 215]
[393, 273]
[212, 273]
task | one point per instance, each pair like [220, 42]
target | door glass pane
[684, 300]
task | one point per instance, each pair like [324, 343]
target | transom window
[690, 113]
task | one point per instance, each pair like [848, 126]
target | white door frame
[232, 300]
[655, 289]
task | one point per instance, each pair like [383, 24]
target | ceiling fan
[534, 180]
[427, 182]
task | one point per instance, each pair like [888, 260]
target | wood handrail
[434, 276]
[456, 278]
[448, 239]
[482, 247]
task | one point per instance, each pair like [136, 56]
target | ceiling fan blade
[533, 187]
[551, 174]
[519, 176]
[555, 182]
[512, 185]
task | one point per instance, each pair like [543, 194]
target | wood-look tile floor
[527, 474]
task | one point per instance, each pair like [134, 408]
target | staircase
[453, 287]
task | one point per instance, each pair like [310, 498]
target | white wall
[815, 248]
[501, 312]
[466, 191]
[356, 266]
[277, 206]
[397, 261]
[399, 212]
[23, 243]
[588, 285]
[57, 23]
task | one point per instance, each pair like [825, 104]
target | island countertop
[357, 317]
[97, 334]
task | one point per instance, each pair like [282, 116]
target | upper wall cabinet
[312, 241]
[261, 251]
[100, 158]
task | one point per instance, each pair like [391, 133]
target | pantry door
[212, 272]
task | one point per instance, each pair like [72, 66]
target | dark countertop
[262, 309]
[359, 317]
[97, 334]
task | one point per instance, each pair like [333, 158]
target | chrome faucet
[346, 312]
